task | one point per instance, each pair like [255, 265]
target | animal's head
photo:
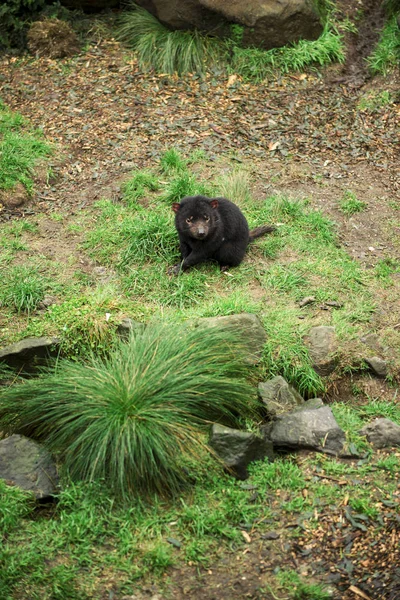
[196, 215]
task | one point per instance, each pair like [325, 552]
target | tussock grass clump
[235, 186]
[256, 64]
[386, 55]
[137, 185]
[22, 289]
[132, 418]
[164, 50]
[19, 151]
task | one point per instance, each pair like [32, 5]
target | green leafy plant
[132, 418]
[172, 160]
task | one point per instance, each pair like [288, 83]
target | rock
[278, 396]
[268, 23]
[28, 465]
[322, 345]
[239, 448]
[377, 365]
[127, 326]
[30, 352]
[254, 336]
[52, 38]
[14, 198]
[382, 433]
[311, 428]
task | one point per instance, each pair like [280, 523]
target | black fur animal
[212, 229]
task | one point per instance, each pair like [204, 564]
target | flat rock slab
[28, 465]
[309, 428]
[248, 325]
[238, 449]
[278, 396]
[30, 352]
[382, 433]
[322, 346]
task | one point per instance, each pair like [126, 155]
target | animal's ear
[214, 203]
[176, 206]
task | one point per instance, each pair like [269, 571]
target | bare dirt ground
[303, 135]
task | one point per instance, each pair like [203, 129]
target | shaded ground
[305, 136]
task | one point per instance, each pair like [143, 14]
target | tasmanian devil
[212, 229]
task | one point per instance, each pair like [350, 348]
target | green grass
[386, 56]
[164, 50]
[133, 417]
[255, 64]
[180, 52]
[20, 150]
[374, 101]
[23, 288]
[350, 205]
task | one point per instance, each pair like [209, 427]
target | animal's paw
[224, 268]
[175, 270]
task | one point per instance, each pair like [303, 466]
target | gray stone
[377, 365]
[28, 465]
[382, 433]
[30, 352]
[322, 345]
[312, 428]
[239, 448]
[278, 396]
[250, 326]
[127, 326]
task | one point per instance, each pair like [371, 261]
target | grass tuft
[164, 50]
[350, 205]
[19, 150]
[256, 64]
[132, 418]
[386, 55]
[22, 289]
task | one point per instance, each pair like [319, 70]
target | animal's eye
[206, 218]
[189, 219]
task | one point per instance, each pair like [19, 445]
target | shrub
[13, 17]
[132, 418]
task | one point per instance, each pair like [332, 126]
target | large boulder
[28, 465]
[267, 23]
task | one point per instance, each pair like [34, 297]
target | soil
[303, 136]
